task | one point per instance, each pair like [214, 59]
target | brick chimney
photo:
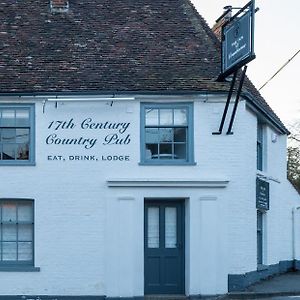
[217, 28]
[59, 5]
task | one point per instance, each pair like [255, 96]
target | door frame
[165, 200]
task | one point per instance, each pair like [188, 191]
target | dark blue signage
[262, 194]
[237, 42]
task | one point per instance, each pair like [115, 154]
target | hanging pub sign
[262, 194]
[237, 40]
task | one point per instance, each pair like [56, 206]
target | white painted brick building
[123, 192]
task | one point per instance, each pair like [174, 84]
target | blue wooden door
[164, 247]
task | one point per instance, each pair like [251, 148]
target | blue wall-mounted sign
[262, 194]
[237, 40]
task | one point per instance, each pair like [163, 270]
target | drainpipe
[294, 213]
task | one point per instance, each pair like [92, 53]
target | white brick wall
[88, 235]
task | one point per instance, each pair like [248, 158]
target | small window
[16, 228]
[260, 237]
[167, 134]
[260, 145]
[16, 135]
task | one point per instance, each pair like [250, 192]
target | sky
[276, 40]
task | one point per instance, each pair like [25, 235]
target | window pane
[152, 135]
[180, 117]
[22, 117]
[165, 151]
[25, 251]
[25, 211]
[9, 232]
[259, 132]
[9, 251]
[22, 136]
[8, 118]
[180, 151]
[259, 157]
[23, 152]
[8, 135]
[170, 227]
[179, 134]
[166, 135]
[153, 227]
[151, 117]
[9, 212]
[151, 151]
[166, 117]
[25, 232]
[9, 151]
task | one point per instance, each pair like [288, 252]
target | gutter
[118, 94]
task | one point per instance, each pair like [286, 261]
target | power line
[280, 69]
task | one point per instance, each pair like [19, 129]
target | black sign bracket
[239, 91]
[227, 103]
[237, 100]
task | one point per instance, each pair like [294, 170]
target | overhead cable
[280, 69]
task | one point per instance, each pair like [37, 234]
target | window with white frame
[16, 232]
[167, 133]
[260, 145]
[16, 134]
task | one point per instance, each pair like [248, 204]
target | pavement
[285, 286]
[280, 287]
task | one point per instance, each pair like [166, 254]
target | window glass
[259, 237]
[9, 251]
[151, 117]
[166, 117]
[22, 117]
[180, 151]
[152, 135]
[170, 227]
[259, 149]
[25, 251]
[8, 135]
[25, 232]
[9, 212]
[166, 135]
[180, 135]
[153, 227]
[8, 118]
[9, 232]
[25, 212]
[180, 117]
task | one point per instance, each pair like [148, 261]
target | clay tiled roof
[105, 45]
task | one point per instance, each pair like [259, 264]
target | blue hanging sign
[237, 40]
[262, 194]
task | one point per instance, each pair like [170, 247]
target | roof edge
[248, 96]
